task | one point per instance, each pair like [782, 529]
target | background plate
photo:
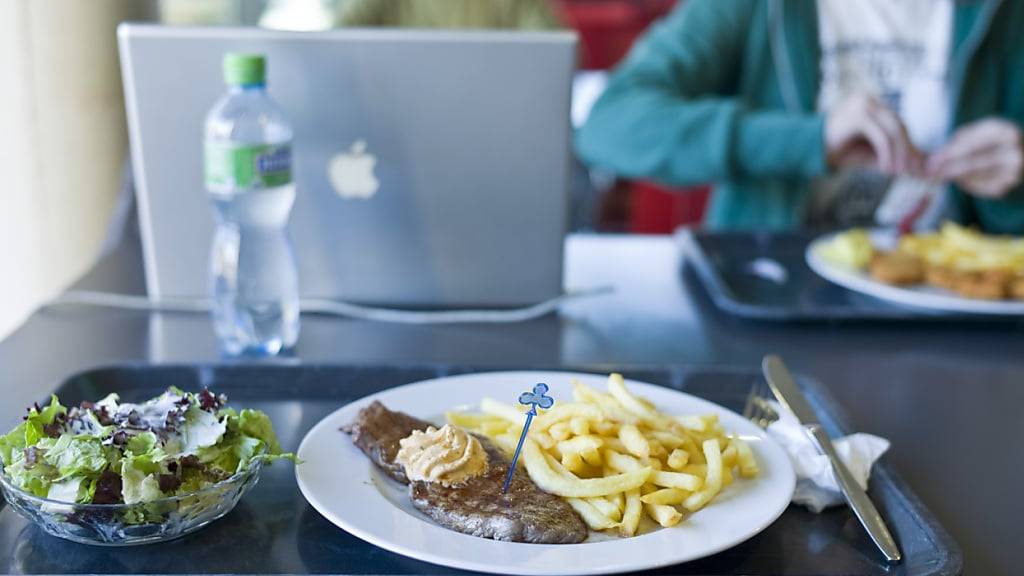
[923, 297]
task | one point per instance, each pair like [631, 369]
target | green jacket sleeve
[1000, 71]
[672, 113]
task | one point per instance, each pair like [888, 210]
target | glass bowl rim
[254, 467]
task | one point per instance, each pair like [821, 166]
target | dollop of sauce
[450, 455]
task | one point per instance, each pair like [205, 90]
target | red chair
[659, 210]
[607, 28]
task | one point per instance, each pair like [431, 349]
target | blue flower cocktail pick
[536, 399]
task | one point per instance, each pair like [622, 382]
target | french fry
[592, 457]
[678, 459]
[618, 499]
[657, 450]
[729, 456]
[501, 410]
[470, 421]
[560, 431]
[727, 477]
[581, 443]
[605, 427]
[666, 516]
[608, 406]
[614, 443]
[631, 513]
[607, 508]
[564, 412]
[506, 442]
[669, 440]
[491, 429]
[542, 438]
[745, 458]
[698, 470]
[680, 480]
[634, 441]
[542, 469]
[696, 456]
[669, 496]
[693, 423]
[632, 404]
[712, 481]
[573, 462]
[579, 426]
[593, 517]
[619, 461]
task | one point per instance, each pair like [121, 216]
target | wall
[62, 143]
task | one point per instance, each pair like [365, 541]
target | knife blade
[789, 395]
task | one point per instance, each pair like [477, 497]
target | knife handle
[856, 497]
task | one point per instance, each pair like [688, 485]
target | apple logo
[351, 173]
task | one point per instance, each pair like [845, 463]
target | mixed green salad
[109, 452]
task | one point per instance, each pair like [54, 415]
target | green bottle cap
[244, 69]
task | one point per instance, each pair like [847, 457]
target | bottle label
[229, 166]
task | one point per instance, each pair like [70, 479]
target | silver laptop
[466, 134]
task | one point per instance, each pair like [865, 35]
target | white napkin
[816, 488]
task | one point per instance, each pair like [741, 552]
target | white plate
[341, 483]
[921, 296]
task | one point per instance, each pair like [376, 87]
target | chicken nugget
[897, 268]
[941, 276]
[998, 275]
[1016, 288]
[980, 287]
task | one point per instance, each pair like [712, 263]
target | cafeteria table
[949, 396]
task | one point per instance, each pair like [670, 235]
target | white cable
[333, 307]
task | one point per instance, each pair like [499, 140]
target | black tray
[274, 531]
[764, 276]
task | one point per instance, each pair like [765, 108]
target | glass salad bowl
[131, 524]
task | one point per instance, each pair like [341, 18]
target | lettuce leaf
[70, 490]
[29, 432]
[148, 514]
[192, 480]
[221, 457]
[13, 441]
[141, 444]
[87, 424]
[200, 430]
[110, 401]
[257, 424]
[33, 477]
[76, 455]
[138, 481]
[47, 414]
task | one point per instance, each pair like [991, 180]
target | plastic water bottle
[247, 154]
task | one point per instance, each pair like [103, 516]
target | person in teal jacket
[731, 92]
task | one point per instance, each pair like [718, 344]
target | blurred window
[299, 14]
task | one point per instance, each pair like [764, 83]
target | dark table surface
[949, 396]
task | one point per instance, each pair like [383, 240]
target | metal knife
[790, 396]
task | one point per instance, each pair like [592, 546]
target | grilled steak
[525, 514]
[478, 507]
[377, 431]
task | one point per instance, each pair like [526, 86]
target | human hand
[861, 131]
[985, 158]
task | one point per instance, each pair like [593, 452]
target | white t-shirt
[898, 51]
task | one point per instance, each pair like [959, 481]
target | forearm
[646, 133]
